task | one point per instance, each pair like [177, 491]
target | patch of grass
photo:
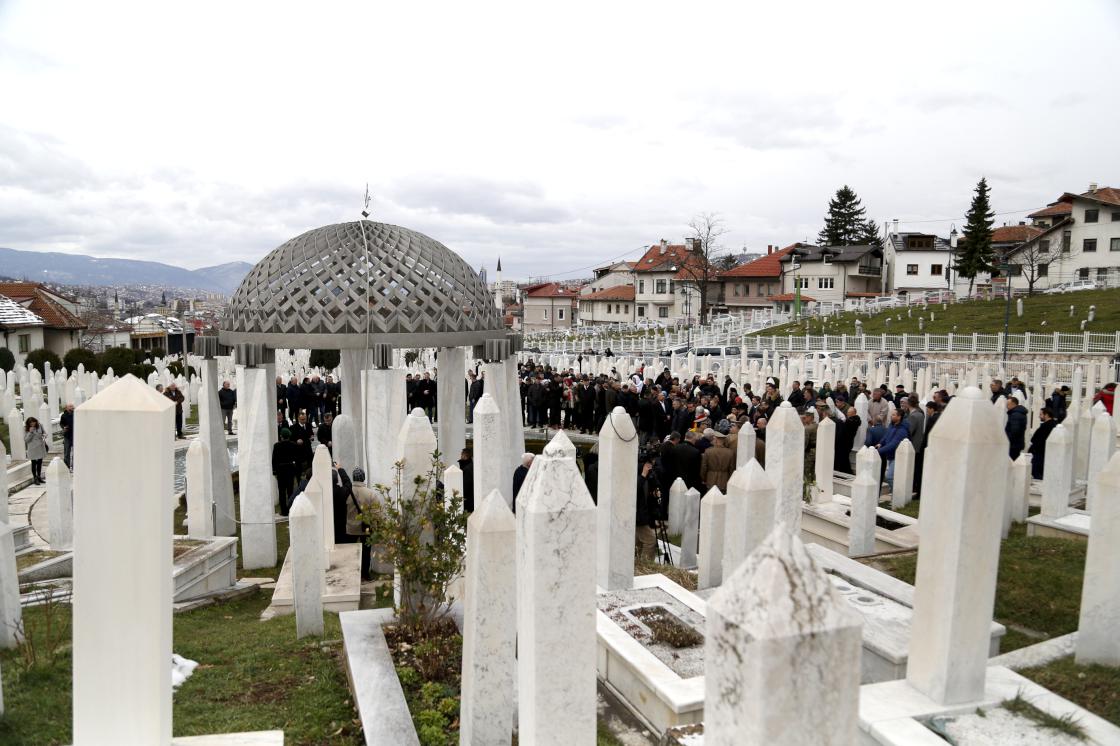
[252, 675]
[192, 416]
[910, 509]
[980, 316]
[1066, 724]
[683, 578]
[1096, 688]
[1038, 586]
[667, 629]
[25, 561]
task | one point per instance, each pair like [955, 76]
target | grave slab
[343, 584]
[373, 679]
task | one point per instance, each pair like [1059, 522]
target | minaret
[498, 286]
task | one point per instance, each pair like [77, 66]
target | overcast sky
[556, 135]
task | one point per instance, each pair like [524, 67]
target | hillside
[80, 269]
[1041, 314]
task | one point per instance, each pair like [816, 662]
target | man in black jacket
[285, 467]
[1038, 442]
[227, 401]
[66, 422]
[687, 459]
[474, 393]
[648, 511]
[324, 433]
[845, 440]
[301, 436]
[519, 475]
[1016, 427]
[466, 465]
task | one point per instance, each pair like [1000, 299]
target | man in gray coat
[915, 421]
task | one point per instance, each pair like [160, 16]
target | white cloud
[552, 138]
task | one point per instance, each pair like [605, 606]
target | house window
[1116, 217]
[935, 270]
[824, 283]
[1114, 244]
[1092, 216]
[559, 314]
[1066, 240]
[641, 312]
[1044, 246]
[662, 287]
[1089, 244]
[801, 282]
[641, 286]
[1015, 270]
[1083, 273]
[24, 342]
[663, 312]
[919, 242]
[1044, 270]
[911, 269]
[826, 259]
[545, 312]
[1102, 273]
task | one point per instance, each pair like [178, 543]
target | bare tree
[702, 267]
[1036, 255]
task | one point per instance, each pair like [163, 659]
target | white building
[832, 274]
[21, 331]
[917, 262]
[612, 305]
[1080, 240]
[549, 307]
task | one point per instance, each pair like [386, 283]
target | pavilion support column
[385, 412]
[451, 396]
[353, 364]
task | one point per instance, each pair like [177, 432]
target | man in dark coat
[426, 395]
[647, 418]
[474, 393]
[1038, 442]
[301, 435]
[324, 433]
[687, 459]
[586, 397]
[591, 472]
[227, 401]
[648, 511]
[174, 394]
[519, 476]
[66, 422]
[286, 468]
[281, 395]
[341, 491]
[466, 465]
[293, 399]
[1016, 427]
[846, 432]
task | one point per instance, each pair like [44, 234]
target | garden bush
[41, 356]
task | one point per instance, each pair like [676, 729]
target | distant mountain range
[79, 269]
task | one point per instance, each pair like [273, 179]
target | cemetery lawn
[252, 675]
[979, 316]
[1038, 596]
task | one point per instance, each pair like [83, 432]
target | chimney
[769, 249]
[895, 224]
[1092, 186]
[664, 243]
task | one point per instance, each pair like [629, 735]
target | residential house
[667, 280]
[549, 306]
[751, 285]
[1078, 239]
[612, 305]
[21, 330]
[610, 275]
[832, 274]
[61, 326]
[916, 262]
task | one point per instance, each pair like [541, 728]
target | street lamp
[952, 256]
[795, 265]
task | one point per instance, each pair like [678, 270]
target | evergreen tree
[846, 223]
[975, 254]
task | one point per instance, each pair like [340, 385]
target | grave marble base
[892, 713]
[647, 686]
[255, 738]
[828, 524]
[204, 569]
[343, 583]
[1074, 525]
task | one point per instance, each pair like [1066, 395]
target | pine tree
[975, 254]
[846, 223]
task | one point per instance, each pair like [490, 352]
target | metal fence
[1055, 343]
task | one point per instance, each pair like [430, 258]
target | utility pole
[1005, 269]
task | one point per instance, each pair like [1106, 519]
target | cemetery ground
[1038, 597]
[979, 316]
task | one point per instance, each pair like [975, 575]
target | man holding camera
[649, 511]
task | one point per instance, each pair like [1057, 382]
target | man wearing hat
[717, 462]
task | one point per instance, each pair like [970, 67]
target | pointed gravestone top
[560, 446]
[618, 425]
[417, 431]
[302, 507]
[486, 405]
[779, 591]
[965, 423]
[493, 515]
[128, 393]
[1060, 434]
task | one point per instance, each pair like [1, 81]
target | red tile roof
[551, 290]
[617, 292]
[674, 256]
[1014, 233]
[765, 266]
[33, 296]
[1053, 210]
[1108, 195]
[790, 297]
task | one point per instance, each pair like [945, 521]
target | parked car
[1070, 287]
[729, 351]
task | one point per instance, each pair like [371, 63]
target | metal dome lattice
[311, 292]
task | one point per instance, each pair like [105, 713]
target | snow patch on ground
[181, 669]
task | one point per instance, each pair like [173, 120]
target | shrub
[325, 359]
[80, 356]
[120, 359]
[41, 356]
[156, 352]
[424, 537]
[139, 356]
[7, 360]
[176, 369]
[142, 370]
